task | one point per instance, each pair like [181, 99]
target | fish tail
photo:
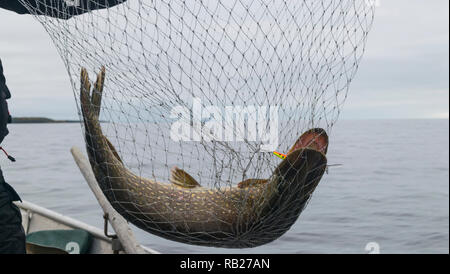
[90, 108]
[90, 103]
[85, 90]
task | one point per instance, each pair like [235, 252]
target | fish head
[316, 138]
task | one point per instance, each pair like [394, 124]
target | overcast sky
[404, 73]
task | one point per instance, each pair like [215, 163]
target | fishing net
[212, 87]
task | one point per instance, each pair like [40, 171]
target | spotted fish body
[254, 213]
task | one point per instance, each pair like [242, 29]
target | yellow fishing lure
[280, 155]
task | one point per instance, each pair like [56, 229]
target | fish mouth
[315, 138]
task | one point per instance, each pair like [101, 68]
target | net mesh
[212, 87]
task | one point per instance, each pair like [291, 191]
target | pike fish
[253, 213]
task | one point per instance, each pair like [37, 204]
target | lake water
[393, 188]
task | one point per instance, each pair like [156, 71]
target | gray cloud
[404, 73]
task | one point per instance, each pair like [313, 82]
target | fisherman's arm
[4, 113]
[62, 9]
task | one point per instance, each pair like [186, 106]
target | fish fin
[181, 178]
[85, 91]
[90, 103]
[113, 150]
[252, 183]
[98, 91]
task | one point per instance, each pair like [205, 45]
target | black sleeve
[62, 9]
[3, 86]
[4, 113]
